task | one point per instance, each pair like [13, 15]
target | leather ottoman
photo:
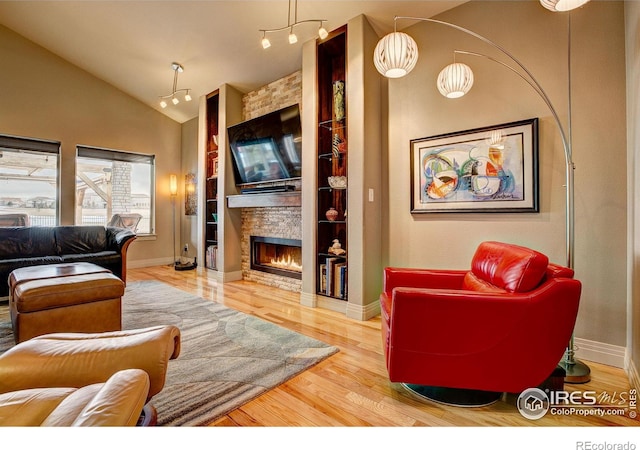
[86, 303]
[51, 271]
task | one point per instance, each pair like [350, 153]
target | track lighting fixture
[292, 22]
[177, 68]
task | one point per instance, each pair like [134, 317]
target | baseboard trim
[308, 299]
[600, 352]
[363, 312]
[632, 373]
[142, 263]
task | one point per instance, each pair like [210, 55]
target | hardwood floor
[351, 388]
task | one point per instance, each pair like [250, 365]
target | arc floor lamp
[396, 55]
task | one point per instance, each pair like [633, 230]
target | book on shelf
[330, 262]
[333, 277]
[338, 277]
[323, 277]
[211, 257]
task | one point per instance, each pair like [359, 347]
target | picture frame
[483, 170]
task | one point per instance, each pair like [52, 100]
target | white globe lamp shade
[395, 55]
[455, 80]
[562, 5]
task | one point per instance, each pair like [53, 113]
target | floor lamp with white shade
[396, 55]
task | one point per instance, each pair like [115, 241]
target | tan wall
[189, 224]
[539, 38]
[45, 97]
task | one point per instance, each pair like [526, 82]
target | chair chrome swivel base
[468, 398]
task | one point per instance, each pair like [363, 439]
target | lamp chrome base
[185, 266]
[577, 372]
[468, 398]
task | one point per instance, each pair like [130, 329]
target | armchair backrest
[501, 267]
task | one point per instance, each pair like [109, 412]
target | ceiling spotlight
[292, 37]
[322, 32]
[177, 68]
[292, 21]
[265, 41]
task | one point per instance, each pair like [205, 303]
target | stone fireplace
[273, 227]
[277, 256]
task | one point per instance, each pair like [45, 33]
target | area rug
[227, 357]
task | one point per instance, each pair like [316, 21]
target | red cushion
[507, 266]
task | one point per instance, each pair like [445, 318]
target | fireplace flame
[286, 262]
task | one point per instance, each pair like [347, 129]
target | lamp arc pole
[576, 371]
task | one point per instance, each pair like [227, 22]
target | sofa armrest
[120, 238]
[80, 359]
[421, 278]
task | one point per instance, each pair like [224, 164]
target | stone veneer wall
[279, 222]
[270, 222]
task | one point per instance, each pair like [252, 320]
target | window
[115, 188]
[28, 181]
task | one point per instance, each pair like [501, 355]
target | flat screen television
[268, 148]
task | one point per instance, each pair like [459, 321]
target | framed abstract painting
[490, 169]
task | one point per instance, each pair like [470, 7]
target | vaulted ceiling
[131, 44]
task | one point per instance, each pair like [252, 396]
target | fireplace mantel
[265, 200]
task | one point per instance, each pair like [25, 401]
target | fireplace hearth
[278, 256]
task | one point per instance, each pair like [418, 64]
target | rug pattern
[227, 357]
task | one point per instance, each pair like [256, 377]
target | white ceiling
[131, 44]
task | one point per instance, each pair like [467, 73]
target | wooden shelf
[265, 200]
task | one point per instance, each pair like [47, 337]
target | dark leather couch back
[80, 239]
[20, 242]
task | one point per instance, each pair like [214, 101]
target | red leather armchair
[502, 326]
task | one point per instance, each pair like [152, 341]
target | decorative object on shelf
[292, 22]
[331, 214]
[461, 172]
[338, 145]
[338, 100]
[395, 56]
[336, 248]
[190, 195]
[215, 139]
[215, 217]
[337, 182]
[177, 68]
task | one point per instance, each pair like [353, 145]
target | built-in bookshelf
[332, 152]
[211, 184]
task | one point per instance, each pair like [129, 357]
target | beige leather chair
[117, 402]
[80, 367]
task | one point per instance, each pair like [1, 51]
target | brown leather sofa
[34, 246]
[90, 372]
